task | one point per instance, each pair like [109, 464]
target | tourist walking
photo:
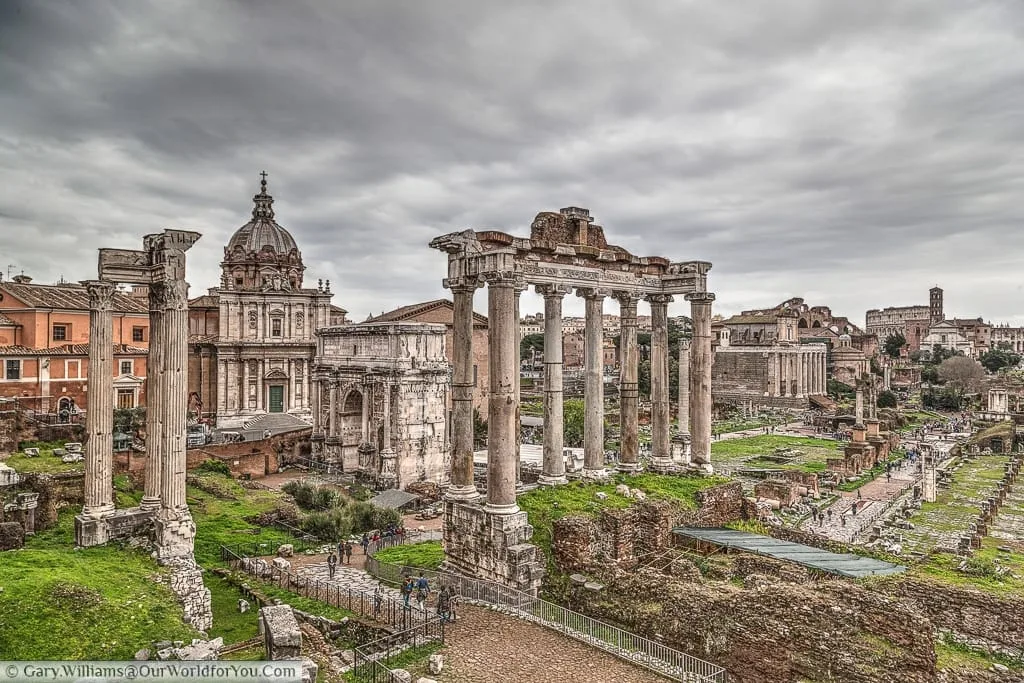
[407, 587]
[443, 603]
[332, 564]
[365, 542]
[348, 552]
[378, 600]
[422, 590]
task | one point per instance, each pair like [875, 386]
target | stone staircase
[276, 423]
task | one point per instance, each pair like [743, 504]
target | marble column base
[464, 494]
[492, 509]
[97, 511]
[629, 467]
[150, 503]
[545, 480]
[663, 465]
[489, 546]
[114, 524]
[594, 475]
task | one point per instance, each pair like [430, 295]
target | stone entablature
[380, 396]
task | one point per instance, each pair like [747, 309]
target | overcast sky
[852, 153]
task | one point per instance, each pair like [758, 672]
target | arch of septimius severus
[565, 252]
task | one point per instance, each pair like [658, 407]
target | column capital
[700, 297]
[500, 278]
[168, 295]
[464, 283]
[659, 299]
[626, 298]
[552, 290]
[591, 293]
[684, 343]
[101, 294]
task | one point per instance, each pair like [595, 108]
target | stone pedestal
[174, 534]
[388, 477]
[492, 547]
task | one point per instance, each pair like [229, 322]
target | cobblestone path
[484, 646]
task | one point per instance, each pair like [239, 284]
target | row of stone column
[503, 410]
[798, 373]
[166, 399]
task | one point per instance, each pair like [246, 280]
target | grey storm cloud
[853, 153]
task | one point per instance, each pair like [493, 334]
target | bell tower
[935, 305]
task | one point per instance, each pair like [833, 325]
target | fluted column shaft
[629, 393]
[593, 420]
[700, 378]
[462, 487]
[518, 398]
[660, 448]
[684, 386]
[501, 415]
[99, 449]
[175, 387]
[554, 418]
[155, 397]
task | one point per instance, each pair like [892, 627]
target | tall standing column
[175, 402]
[155, 394]
[661, 454]
[332, 409]
[501, 414]
[684, 386]
[518, 398]
[593, 420]
[700, 378]
[99, 449]
[554, 418]
[629, 392]
[314, 400]
[462, 487]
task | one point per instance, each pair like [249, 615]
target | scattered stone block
[401, 676]
[638, 495]
[243, 605]
[601, 495]
[286, 550]
[435, 663]
[282, 564]
[200, 650]
[578, 580]
[32, 452]
[73, 447]
[593, 586]
[622, 490]
[281, 635]
[309, 670]
[142, 655]
[59, 452]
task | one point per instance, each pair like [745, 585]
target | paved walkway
[485, 646]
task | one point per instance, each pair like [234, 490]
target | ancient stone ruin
[565, 252]
[163, 512]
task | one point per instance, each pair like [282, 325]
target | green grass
[954, 655]
[766, 445]
[427, 555]
[545, 505]
[97, 603]
[46, 463]
[943, 567]
[228, 622]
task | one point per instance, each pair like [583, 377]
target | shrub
[311, 497]
[329, 525]
[214, 466]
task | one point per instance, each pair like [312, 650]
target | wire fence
[647, 653]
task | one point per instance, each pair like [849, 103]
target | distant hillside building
[912, 322]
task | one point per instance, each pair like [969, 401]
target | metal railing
[633, 648]
[380, 608]
[372, 659]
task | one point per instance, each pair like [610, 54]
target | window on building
[275, 327]
[127, 367]
[60, 332]
[138, 334]
[73, 369]
[126, 398]
[13, 369]
[238, 282]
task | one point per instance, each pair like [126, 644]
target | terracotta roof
[6, 322]
[412, 310]
[69, 297]
[338, 309]
[69, 350]
[205, 301]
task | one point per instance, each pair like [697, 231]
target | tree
[893, 344]
[961, 375]
[572, 421]
[479, 429]
[529, 344]
[998, 359]
[887, 399]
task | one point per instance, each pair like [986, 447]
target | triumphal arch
[565, 252]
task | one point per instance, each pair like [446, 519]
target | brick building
[912, 322]
[44, 346]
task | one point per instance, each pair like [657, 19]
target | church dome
[262, 231]
[262, 255]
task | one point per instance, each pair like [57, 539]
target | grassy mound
[99, 603]
[426, 555]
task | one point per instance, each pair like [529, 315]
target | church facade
[253, 338]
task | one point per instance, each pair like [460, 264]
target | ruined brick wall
[782, 491]
[738, 372]
[56, 492]
[719, 505]
[775, 631]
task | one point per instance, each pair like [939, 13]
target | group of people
[419, 586]
[344, 556]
